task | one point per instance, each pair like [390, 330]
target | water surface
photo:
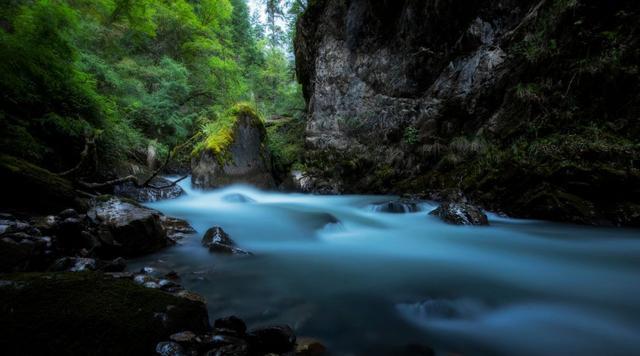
[368, 282]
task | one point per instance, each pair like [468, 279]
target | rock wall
[495, 97]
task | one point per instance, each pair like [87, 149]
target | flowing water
[366, 282]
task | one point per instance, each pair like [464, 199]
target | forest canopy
[138, 75]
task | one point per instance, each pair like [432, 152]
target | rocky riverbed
[64, 289]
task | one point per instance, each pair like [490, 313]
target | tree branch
[90, 143]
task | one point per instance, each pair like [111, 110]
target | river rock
[306, 346]
[218, 241]
[170, 348]
[231, 325]
[237, 198]
[461, 214]
[402, 206]
[223, 345]
[22, 246]
[273, 339]
[68, 213]
[15, 256]
[74, 264]
[184, 338]
[126, 228]
[147, 194]
[10, 224]
[177, 229]
[244, 159]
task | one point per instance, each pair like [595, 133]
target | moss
[219, 133]
[538, 43]
[285, 139]
[86, 313]
[411, 136]
[29, 187]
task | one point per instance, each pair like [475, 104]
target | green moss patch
[87, 314]
[219, 133]
[286, 143]
[29, 187]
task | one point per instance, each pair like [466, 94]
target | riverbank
[64, 289]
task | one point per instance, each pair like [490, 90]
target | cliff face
[530, 107]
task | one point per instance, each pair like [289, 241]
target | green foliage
[530, 92]
[286, 143]
[411, 136]
[140, 73]
[218, 133]
[274, 86]
[539, 43]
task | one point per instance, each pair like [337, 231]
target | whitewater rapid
[368, 282]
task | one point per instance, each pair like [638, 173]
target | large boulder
[234, 151]
[89, 314]
[126, 228]
[461, 214]
[147, 194]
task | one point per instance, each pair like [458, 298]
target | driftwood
[90, 151]
[131, 179]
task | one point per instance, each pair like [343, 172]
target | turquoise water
[373, 283]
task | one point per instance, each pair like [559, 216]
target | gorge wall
[529, 107]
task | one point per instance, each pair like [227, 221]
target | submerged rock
[461, 214]
[402, 206]
[237, 198]
[126, 228]
[218, 241]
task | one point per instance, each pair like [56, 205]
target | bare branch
[110, 183]
[172, 184]
[89, 144]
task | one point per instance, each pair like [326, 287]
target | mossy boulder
[234, 151]
[28, 188]
[89, 314]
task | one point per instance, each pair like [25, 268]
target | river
[367, 282]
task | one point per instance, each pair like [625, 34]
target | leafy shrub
[411, 136]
